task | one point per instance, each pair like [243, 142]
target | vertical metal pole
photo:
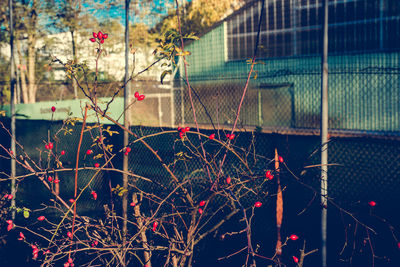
[126, 123]
[324, 136]
[12, 105]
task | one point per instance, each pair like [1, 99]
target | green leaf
[26, 214]
[165, 72]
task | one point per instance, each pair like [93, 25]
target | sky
[149, 14]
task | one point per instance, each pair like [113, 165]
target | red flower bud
[92, 40]
[21, 236]
[293, 237]
[372, 203]
[10, 226]
[9, 221]
[41, 218]
[280, 159]
[295, 259]
[155, 224]
[94, 194]
[228, 180]
[69, 234]
[71, 200]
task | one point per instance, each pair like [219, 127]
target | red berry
[295, 259]
[398, 245]
[141, 97]
[100, 35]
[102, 41]
[47, 147]
[9, 221]
[228, 180]
[257, 204]
[179, 129]
[89, 151]
[212, 136]
[128, 149]
[94, 35]
[126, 153]
[372, 203]
[71, 200]
[92, 40]
[97, 165]
[231, 136]
[268, 175]
[294, 237]
[202, 203]
[70, 260]
[63, 153]
[41, 218]
[69, 234]
[51, 145]
[96, 242]
[181, 135]
[187, 129]
[280, 159]
[200, 211]
[10, 226]
[53, 108]
[132, 204]
[137, 94]
[105, 35]
[94, 194]
[10, 197]
[56, 181]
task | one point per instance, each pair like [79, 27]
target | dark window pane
[271, 16]
[278, 15]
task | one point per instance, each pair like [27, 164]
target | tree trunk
[75, 55]
[22, 68]
[32, 87]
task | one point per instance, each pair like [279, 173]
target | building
[284, 92]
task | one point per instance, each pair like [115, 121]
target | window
[293, 27]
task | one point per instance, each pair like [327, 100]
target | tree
[199, 15]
